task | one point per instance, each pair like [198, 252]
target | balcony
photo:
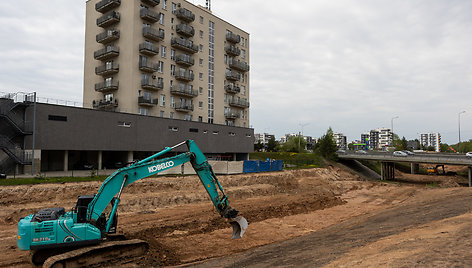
[185, 60]
[232, 50]
[240, 103]
[153, 34]
[239, 65]
[106, 86]
[148, 49]
[230, 114]
[148, 67]
[108, 19]
[151, 2]
[185, 15]
[106, 53]
[184, 44]
[107, 69]
[146, 101]
[183, 91]
[185, 29]
[149, 15]
[107, 5]
[105, 104]
[233, 38]
[108, 36]
[232, 75]
[232, 88]
[151, 84]
[183, 107]
[184, 76]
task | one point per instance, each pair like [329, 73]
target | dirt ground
[325, 217]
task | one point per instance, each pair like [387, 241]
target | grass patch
[434, 184]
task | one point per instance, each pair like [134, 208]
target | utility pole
[393, 134]
[459, 119]
[299, 138]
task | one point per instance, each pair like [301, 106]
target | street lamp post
[459, 120]
[302, 125]
[393, 134]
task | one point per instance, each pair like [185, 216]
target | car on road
[400, 153]
[340, 151]
[408, 152]
[361, 152]
[469, 155]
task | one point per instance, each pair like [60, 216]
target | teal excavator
[86, 235]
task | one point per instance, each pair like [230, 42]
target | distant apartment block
[431, 140]
[377, 139]
[263, 138]
[168, 59]
[341, 140]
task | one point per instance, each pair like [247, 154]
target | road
[333, 243]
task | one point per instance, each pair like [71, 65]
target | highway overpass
[388, 160]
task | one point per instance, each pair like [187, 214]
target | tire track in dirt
[320, 248]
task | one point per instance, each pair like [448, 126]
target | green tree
[258, 146]
[294, 144]
[444, 148]
[272, 145]
[326, 146]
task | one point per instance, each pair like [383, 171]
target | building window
[172, 102]
[57, 118]
[201, 19]
[200, 104]
[174, 7]
[200, 119]
[243, 54]
[172, 69]
[188, 117]
[226, 59]
[171, 115]
[160, 67]
[201, 34]
[200, 76]
[243, 90]
[193, 130]
[143, 111]
[161, 113]
[200, 90]
[163, 51]
[201, 48]
[200, 62]
[163, 100]
[164, 4]
[161, 18]
[172, 54]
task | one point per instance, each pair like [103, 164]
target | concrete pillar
[130, 156]
[470, 176]
[415, 168]
[382, 172]
[66, 160]
[100, 163]
[234, 157]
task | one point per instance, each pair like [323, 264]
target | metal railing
[106, 5]
[184, 44]
[185, 14]
[185, 29]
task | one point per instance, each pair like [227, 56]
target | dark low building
[42, 137]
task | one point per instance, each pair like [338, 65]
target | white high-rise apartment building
[431, 140]
[169, 59]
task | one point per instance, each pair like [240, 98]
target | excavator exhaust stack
[239, 226]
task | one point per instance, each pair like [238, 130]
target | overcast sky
[351, 65]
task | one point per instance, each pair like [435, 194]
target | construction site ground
[322, 217]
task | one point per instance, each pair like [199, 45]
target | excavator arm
[113, 186]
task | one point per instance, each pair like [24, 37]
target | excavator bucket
[239, 226]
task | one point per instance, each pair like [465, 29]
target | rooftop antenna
[208, 4]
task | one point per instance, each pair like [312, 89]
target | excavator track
[107, 253]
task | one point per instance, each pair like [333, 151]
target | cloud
[351, 65]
